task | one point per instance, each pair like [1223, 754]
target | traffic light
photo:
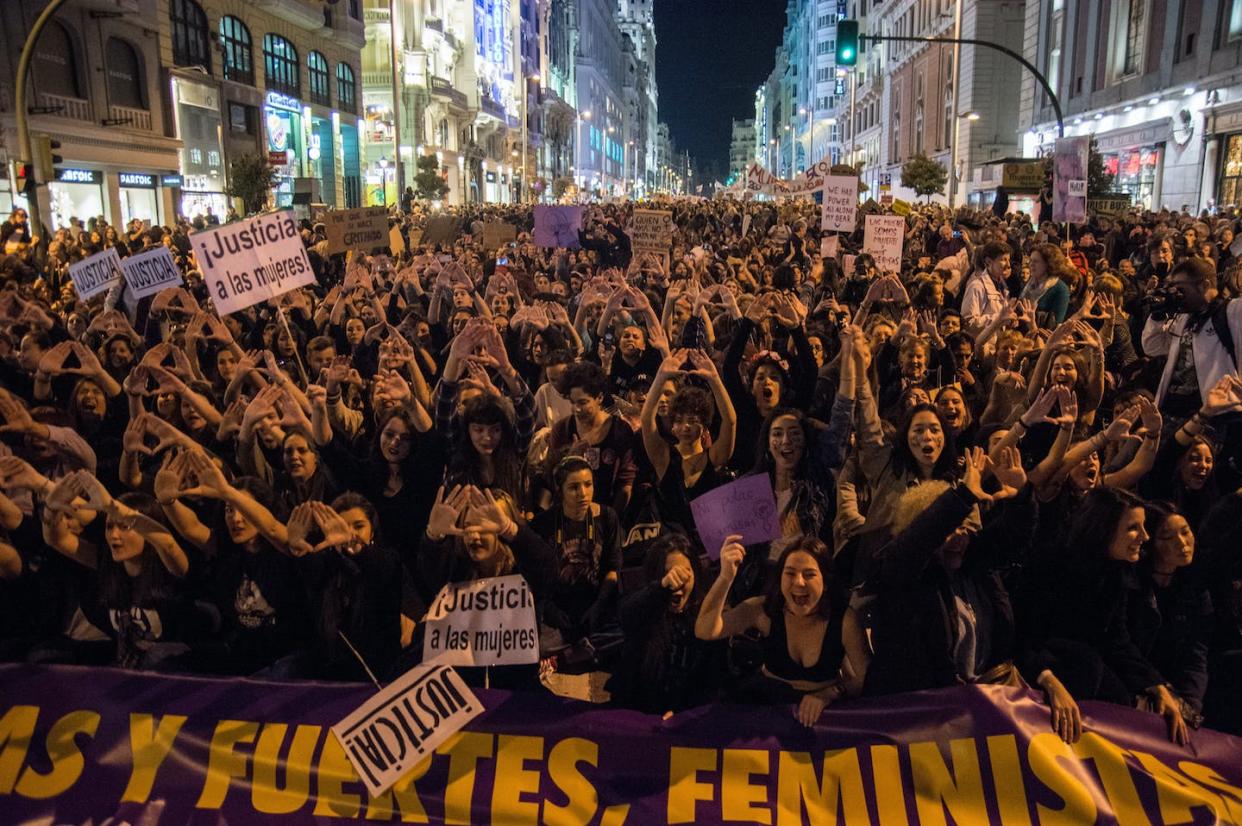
[45, 156]
[23, 177]
[847, 42]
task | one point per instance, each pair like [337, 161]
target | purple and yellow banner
[81, 745]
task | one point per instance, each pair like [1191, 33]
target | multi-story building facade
[1157, 83]
[599, 73]
[637, 23]
[918, 106]
[150, 99]
[741, 147]
[560, 93]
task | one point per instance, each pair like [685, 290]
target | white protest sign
[847, 263]
[95, 274]
[391, 732]
[484, 622]
[1077, 189]
[883, 237]
[651, 230]
[149, 272]
[361, 229]
[840, 208]
[249, 261]
[745, 224]
[829, 245]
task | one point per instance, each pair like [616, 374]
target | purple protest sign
[82, 745]
[746, 507]
[557, 226]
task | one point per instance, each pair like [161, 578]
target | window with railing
[190, 37]
[346, 88]
[127, 83]
[317, 74]
[280, 65]
[235, 45]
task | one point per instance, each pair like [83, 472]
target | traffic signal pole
[1052, 97]
[23, 127]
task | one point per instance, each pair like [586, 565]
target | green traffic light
[847, 53]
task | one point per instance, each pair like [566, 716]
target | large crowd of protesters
[1015, 461]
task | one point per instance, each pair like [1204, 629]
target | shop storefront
[139, 197]
[77, 193]
[282, 123]
[1135, 157]
[350, 165]
[203, 174]
[1229, 190]
[321, 157]
[1136, 171]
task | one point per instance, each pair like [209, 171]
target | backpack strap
[1220, 323]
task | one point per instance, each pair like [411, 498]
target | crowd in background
[1014, 461]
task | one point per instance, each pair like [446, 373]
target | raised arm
[714, 621]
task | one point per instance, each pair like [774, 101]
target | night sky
[711, 55]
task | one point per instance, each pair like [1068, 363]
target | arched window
[235, 41]
[346, 90]
[317, 71]
[127, 84]
[280, 65]
[191, 42]
[56, 62]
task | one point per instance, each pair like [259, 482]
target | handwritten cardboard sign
[395, 729]
[840, 206]
[497, 233]
[746, 507]
[484, 622]
[883, 237]
[95, 274]
[651, 230]
[149, 272]
[362, 229]
[249, 261]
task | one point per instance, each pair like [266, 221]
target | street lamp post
[582, 116]
[23, 129]
[957, 60]
[526, 130]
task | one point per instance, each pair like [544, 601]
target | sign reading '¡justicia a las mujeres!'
[249, 261]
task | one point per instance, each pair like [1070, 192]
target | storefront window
[1230, 191]
[1134, 171]
[76, 193]
[322, 156]
[203, 176]
[139, 198]
[351, 162]
[282, 121]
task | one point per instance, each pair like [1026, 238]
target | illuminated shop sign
[136, 179]
[79, 176]
[278, 101]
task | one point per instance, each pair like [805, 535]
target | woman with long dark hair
[663, 666]
[1075, 604]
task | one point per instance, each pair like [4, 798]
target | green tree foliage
[925, 176]
[251, 178]
[428, 185]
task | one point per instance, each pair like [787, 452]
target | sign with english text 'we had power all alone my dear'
[249, 261]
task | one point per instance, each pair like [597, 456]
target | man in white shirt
[1192, 338]
[984, 297]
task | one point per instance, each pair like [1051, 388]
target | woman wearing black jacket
[1075, 606]
[663, 666]
[1170, 615]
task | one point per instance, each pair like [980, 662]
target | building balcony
[491, 107]
[306, 14]
[375, 80]
[66, 107]
[443, 88]
[138, 119]
[347, 31]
